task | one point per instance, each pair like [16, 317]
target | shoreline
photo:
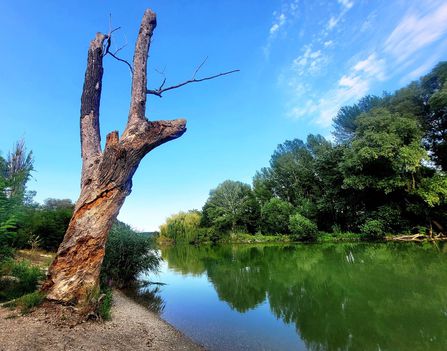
[132, 327]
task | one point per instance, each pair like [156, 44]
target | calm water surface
[306, 297]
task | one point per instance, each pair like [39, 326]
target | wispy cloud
[310, 62]
[416, 41]
[372, 66]
[416, 31]
[348, 89]
[288, 12]
[334, 20]
[280, 21]
[347, 4]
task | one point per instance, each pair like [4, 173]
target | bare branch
[120, 48]
[122, 60]
[161, 90]
[114, 30]
[108, 52]
[198, 68]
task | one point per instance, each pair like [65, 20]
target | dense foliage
[128, 254]
[383, 174]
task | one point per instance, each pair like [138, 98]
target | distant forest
[384, 174]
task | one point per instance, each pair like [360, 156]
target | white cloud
[373, 66]
[416, 31]
[328, 43]
[350, 87]
[310, 62]
[346, 3]
[288, 12]
[280, 21]
[333, 22]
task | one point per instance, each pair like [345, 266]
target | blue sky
[299, 60]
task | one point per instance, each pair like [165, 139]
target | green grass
[243, 238]
[27, 302]
[105, 306]
[324, 237]
[18, 278]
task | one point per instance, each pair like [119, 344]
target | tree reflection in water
[147, 295]
[338, 296]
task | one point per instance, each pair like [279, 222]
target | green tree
[302, 228]
[345, 122]
[15, 172]
[231, 206]
[275, 216]
[182, 226]
[434, 92]
[386, 152]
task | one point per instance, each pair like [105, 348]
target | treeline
[383, 174]
[25, 224]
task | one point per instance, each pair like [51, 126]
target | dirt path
[132, 328]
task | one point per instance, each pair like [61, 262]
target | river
[305, 297]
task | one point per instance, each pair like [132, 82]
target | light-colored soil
[132, 327]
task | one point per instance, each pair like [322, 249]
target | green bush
[26, 302]
[18, 278]
[48, 222]
[128, 253]
[373, 229]
[6, 252]
[275, 216]
[302, 228]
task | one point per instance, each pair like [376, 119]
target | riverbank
[323, 237]
[132, 327]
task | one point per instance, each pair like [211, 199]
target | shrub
[275, 216]
[373, 229]
[6, 252]
[48, 222]
[18, 278]
[127, 254]
[26, 302]
[302, 228]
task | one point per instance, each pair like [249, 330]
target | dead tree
[106, 179]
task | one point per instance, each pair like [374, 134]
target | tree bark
[107, 174]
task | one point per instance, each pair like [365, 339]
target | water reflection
[147, 295]
[338, 297]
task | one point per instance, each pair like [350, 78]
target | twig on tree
[109, 43]
[121, 48]
[198, 68]
[108, 52]
[158, 92]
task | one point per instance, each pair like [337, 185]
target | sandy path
[132, 328]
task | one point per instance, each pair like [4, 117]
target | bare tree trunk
[106, 174]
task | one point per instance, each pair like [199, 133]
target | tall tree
[106, 174]
[232, 205]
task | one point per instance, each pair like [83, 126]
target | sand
[132, 327]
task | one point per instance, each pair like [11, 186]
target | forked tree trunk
[107, 174]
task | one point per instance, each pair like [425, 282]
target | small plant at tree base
[105, 305]
[302, 228]
[27, 302]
